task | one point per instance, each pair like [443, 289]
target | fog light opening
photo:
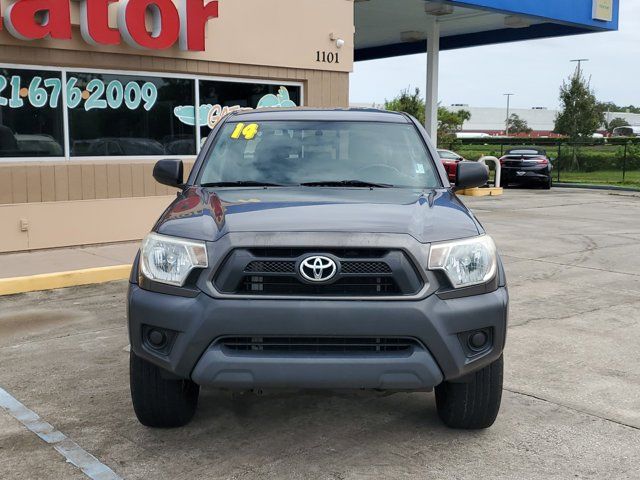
[157, 339]
[478, 341]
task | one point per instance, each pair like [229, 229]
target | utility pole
[579, 62]
[506, 122]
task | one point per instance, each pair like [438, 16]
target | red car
[450, 161]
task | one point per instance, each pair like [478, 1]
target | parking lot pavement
[571, 406]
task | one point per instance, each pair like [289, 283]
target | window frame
[143, 73]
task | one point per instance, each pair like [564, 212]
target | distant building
[541, 120]
[491, 120]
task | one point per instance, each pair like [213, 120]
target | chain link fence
[610, 161]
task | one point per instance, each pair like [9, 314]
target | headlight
[466, 262]
[170, 260]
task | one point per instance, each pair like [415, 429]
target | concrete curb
[49, 281]
[613, 188]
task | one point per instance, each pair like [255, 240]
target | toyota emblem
[318, 268]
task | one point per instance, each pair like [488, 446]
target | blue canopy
[386, 28]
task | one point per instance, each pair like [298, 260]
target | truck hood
[207, 214]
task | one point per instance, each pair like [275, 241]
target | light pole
[506, 122]
[579, 62]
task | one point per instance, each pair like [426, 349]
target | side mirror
[169, 172]
[471, 174]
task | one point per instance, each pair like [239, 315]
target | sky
[533, 70]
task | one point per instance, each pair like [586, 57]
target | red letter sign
[194, 19]
[165, 23]
[55, 21]
[94, 23]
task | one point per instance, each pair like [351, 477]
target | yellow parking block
[49, 281]
[481, 192]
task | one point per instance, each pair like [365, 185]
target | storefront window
[118, 114]
[219, 97]
[115, 115]
[31, 120]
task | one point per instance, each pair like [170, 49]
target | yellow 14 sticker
[247, 131]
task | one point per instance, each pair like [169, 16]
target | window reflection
[30, 113]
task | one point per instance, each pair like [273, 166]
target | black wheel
[475, 404]
[157, 401]
[548, 184]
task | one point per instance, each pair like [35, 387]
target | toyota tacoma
[317, 249]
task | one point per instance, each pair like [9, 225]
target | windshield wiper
[241, 183]
[346, 183]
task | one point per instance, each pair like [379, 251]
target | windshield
[304, 152]
[447, 155]
[525, 152]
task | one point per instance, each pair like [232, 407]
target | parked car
[626, 131]
[39, 145]
[526, 166]
[117, 146]
[317, 249]
[450, 161]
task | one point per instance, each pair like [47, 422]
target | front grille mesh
[318, 344]
[272, 266]
[345, 286]
[274, 271]
[374, 268]
[288, 266]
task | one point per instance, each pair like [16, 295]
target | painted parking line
[66, 447]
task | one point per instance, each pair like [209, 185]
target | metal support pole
[431, 101]
[559, 152]
[624, 162]
[506, 121]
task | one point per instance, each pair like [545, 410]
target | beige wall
[322, 88]
[86, 180]
[84, 222]
[284, 33]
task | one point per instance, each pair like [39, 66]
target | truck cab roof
[318, 114]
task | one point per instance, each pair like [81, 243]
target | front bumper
[437, 324]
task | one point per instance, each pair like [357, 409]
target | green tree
[407, 102]
[449, 121]
[581, 114]
[518, 125]
[612, 107]
[615, 123]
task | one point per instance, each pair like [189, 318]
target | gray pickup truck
[320, 249]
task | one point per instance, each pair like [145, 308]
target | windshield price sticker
[246, 131]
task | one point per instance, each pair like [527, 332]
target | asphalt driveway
[571, 406]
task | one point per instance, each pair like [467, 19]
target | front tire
[474, 404]
[157, 401]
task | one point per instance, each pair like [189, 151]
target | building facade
[94, 92]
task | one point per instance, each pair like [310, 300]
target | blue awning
[386, 28]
